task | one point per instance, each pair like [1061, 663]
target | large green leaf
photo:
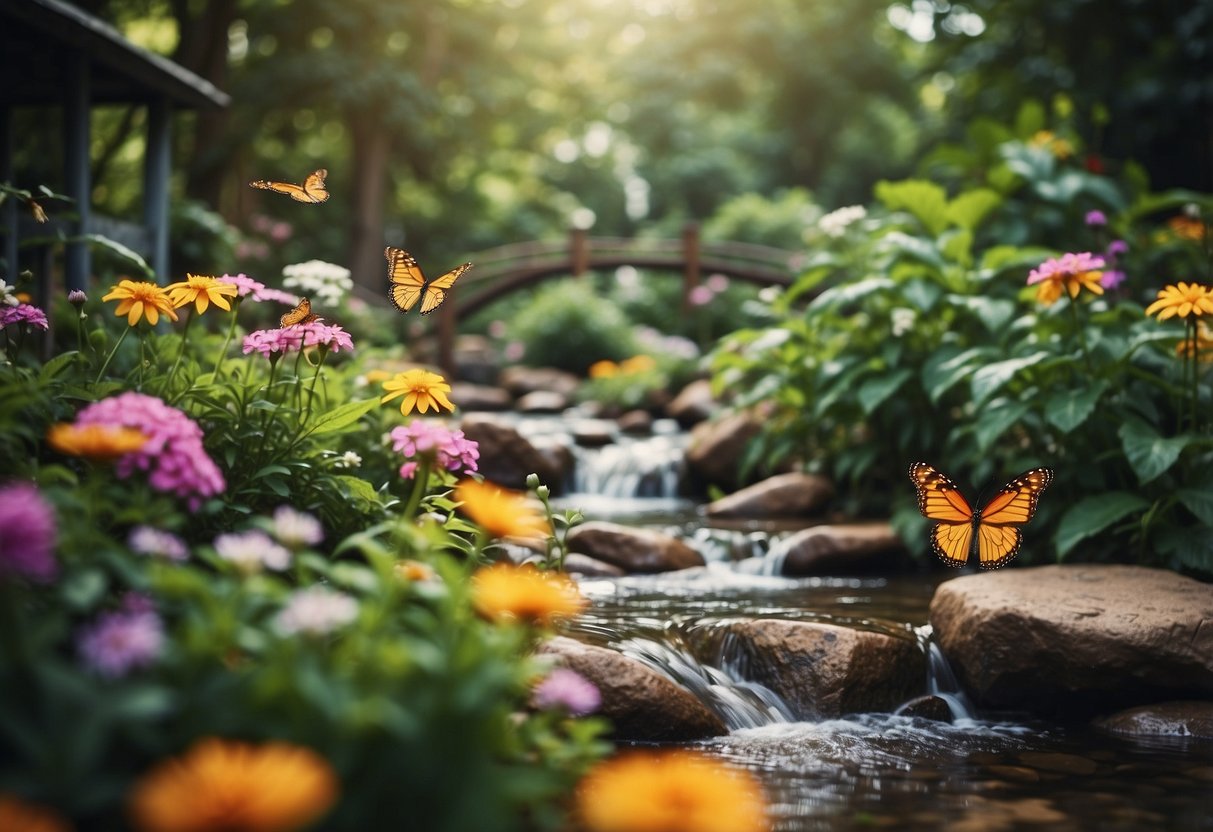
[1066, 411]
[946, 368]
[968, 209]
[1091, 515]
[874, 391]
[993, 377]
[343, 417]
[926, 201]
[851, 292]
[1149, 454]
[994, 313]
[1197, 495]
[996, 421]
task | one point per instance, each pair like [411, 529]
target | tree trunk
[372, 144]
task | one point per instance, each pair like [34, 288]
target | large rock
[843, 549]
[542, 401]
[467, 397]
[794, 494]
[824, 671]
[693, 404]
[716, 448]
[1077, 639]
[643, 705]
[507, 457]
[634, 550]
[522, 380]
[1165, 719]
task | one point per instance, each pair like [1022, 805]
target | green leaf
[993, 377]
[995, 421]
[851, 292]
[343, 417]
[957, 246]
[359, 489]
[873, 392]
[994, 313]
[1091, 515]
[1199, 502]
[926, 201]
[1149, 454]
[1066, 411]
[53, 367]
[922, 294]
[968, 209]
[946, 367]
[1030, 119]
[122, 251]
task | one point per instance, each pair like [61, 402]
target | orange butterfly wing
[435, 292]
[940, 499]
[301, 314]
[408, 283]
[312, 190]
[998, 538]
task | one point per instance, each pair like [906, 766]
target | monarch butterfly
[312, 190]
[993, 531]
[301, 314]
[409, 284]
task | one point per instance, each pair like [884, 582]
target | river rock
[1077, 640]
[522, 380]
[476, 360]
[693, 404]
[634, 550]
[794, 494]
[468, 397]
[635, 422]
[593, 433]
[842, 549]
[1163, 719]
[542, 401]
[507, 457]
[643, 705]
[576, 563]
[930, 707]
[824, 671]
[716, 448]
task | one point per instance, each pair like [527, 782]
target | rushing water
[979, 773]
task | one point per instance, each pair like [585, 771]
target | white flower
[902, 321]
[296, 529]
[252, 550]
[6, 294]
[325, 283]
[315, 611]
[349, 459]
[835, 223]
[147, 540]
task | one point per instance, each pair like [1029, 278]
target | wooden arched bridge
[506, 269]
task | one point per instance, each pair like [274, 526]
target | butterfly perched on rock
[409, 283]
[993, 531]
[312, 190]
[301, 314]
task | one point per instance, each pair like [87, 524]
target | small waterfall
[645, 467]
[941, 681]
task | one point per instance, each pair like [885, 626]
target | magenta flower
[1112, 278]
[701, 296]
[147, 540]
[23, 313]
[268, 293]
[77, 298]
[173, 455]
[27, 533]
[450, 449]
[296, 529]
[567, 689]
[294, 338]
[1096, 218]
[1117, 248]
[251, 551]
[118, 642]
[1065, 266]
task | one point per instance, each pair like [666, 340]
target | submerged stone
[633, 550]
[1163, 719]
[793, 494]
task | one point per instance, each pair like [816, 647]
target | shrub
[568, 325]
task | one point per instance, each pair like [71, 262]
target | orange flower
[95, 441]
[18, 816]
[504, 591]
[670, 791]
[637, 364]
[140, 299]
[220, 784]
[501, 512]
[1182, 299]
[1200, 344]
[202, 291]
[414, 570]
[603, 369]
[1187, 228]
[421, 389]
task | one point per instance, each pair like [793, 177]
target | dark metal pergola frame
[55, 54]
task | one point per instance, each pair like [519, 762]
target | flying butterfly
[993, 532]
[409, 284]
[312, 190]
[301, 314]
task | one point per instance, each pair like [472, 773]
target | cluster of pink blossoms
[1065, 266]
[450, 449]
[118, 642]
[278, 342]
[246, 286]
[27, 534]
[174, 455]
[22, 313]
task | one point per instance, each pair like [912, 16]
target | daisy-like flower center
[421, 389]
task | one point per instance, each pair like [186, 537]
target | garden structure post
[76, 140]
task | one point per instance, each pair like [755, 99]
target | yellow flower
[421, 389]
[501, 512]
[220, 784]
[505, 591]
[637, 364]
[1200, 345]
[18, 816]
[202, 291]
[671, 791]
[1071, 272]
[95, 441]
[376, 376]
[140, 299]
[603, 369]
[414, 570]
[1182, 299]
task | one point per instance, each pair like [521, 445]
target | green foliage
[568, 325]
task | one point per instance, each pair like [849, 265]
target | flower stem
[185, 333]
[110, 357]
[231, 330]
[1080, 332]
[421, 479]
[311, 392]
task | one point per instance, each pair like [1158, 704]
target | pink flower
[1112, 278]
[717, 283]
[316, 611]
[117, 642]
[276, 295]
[173, 456]
[296, 529]
[1095, 218]
[27, 533]
[280, 232]
[252, 550]
[147, 540]
[450, 449]
[1065, 266]
[569, 690]
[701, 296]
[294, 338]
[23, 313]
[244, 284]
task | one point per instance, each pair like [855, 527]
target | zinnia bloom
[18, 816]
[95, 441]
[221, 784]
[1071, 272]
[141, 299]
[27, 533]
[23, 313]
[118, 642]
[504, 591]
[670, 791]
[1182, 299]
[244, 284]
[316, 611]
[294, 338]
[421, 389]
[450, 449]
[202, 291]
[501, 512]
[567, 689]
[605, 368]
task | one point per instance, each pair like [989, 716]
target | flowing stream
[979, 773]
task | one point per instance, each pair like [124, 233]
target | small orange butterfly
[312, 190]
[993, 531]
[301, 314]
[409, 284]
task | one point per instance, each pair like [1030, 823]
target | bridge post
[446, 338]
[690, 259]
[579, 251]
